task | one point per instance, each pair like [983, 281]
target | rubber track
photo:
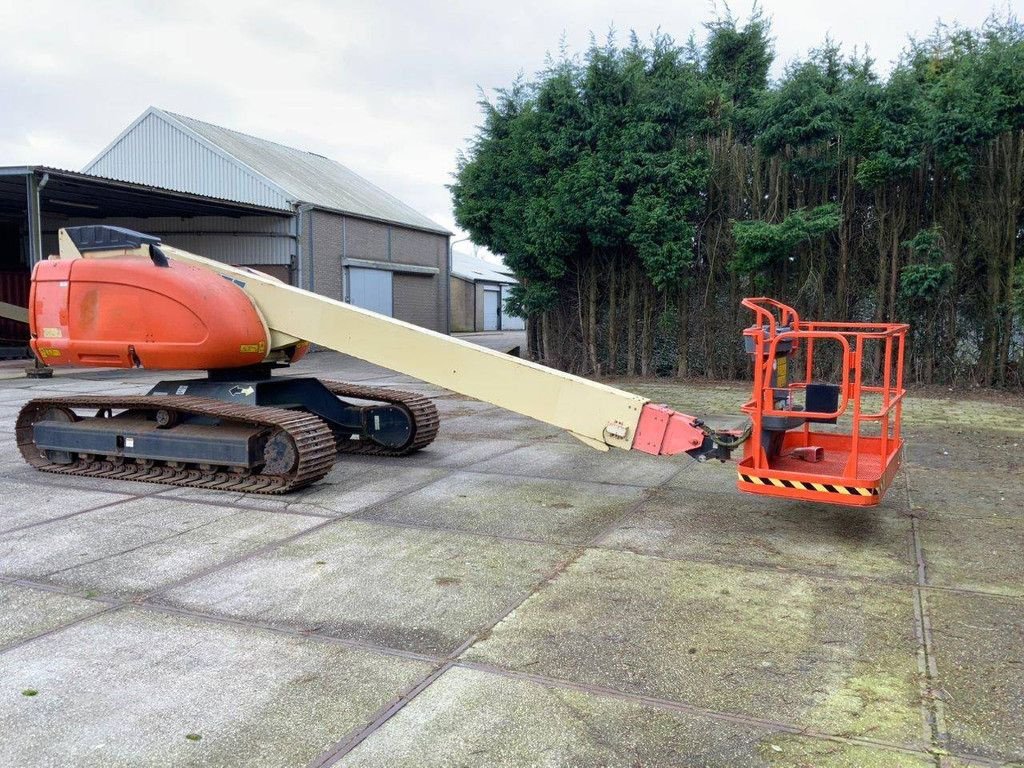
[314, 443]
[421, 411]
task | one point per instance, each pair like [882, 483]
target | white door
[509, 322]
[492, 301]
[370, 289]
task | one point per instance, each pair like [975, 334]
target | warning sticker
[51, 333]
[781, 372]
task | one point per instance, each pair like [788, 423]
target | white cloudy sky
[387, 88]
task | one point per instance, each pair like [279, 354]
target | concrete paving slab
[9, 448]
[450, 452]
[499, 423]
[832, 655]
[577, 461]
[499, 341]
[979, 648]
[10, 460]
[454, 406]
[133, 688]
[26, 612]
[957, 411]
[720, 478]
[976, 494]
[557, 511]
[141, 545]
[446, 451]
[70, 486]
[327, 363]
[473, 718]
[353, 484]
[697, 477]
[731, 526]
[971, 552]
[67, 385]
[27, 502]
[786, 751]
[16, 395]
[8, 417]
[424, 591]
[840, 651]
[962, 450]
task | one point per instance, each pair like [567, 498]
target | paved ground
[502, 341]
[510, 597]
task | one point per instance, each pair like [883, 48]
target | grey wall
[364, 239]
[419, 299]
[245, 241]
[463, 307]
[325, 253]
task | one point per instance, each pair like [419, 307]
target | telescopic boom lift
[118, 298]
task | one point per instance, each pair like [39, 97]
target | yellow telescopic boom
[598, 415]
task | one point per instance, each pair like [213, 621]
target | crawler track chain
[313, 442]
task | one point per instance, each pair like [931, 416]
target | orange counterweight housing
[129, 312]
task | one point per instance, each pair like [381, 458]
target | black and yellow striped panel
[844, 490]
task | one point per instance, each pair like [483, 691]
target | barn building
[35, 201]
[242, 200]
[353, 240]
[479, 294]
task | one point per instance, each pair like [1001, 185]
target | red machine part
[129, 312]
[662, 431]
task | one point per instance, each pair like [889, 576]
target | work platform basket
[825, 429]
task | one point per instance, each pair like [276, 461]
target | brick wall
[409, 246]
[420, 299]
[417, 300]
[326, 252]
[462, 306]
[365, 240]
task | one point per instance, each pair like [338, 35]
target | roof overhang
[82, 195]
[483, 279]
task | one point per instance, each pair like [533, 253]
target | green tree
[639, 191]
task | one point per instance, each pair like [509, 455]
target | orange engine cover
[129, 312]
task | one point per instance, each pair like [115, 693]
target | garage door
[509, 322]
[370, 289]
[492, 301]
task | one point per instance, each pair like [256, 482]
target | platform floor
[832, 467]
[511, 597]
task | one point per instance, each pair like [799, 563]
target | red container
[14, 289]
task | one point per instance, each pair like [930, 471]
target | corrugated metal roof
[472, 268]
[108, 195]
[157, 149]
[309, 178]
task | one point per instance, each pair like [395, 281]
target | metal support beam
[35, 224]
[390, 266]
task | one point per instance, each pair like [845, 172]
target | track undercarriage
[253, 434]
